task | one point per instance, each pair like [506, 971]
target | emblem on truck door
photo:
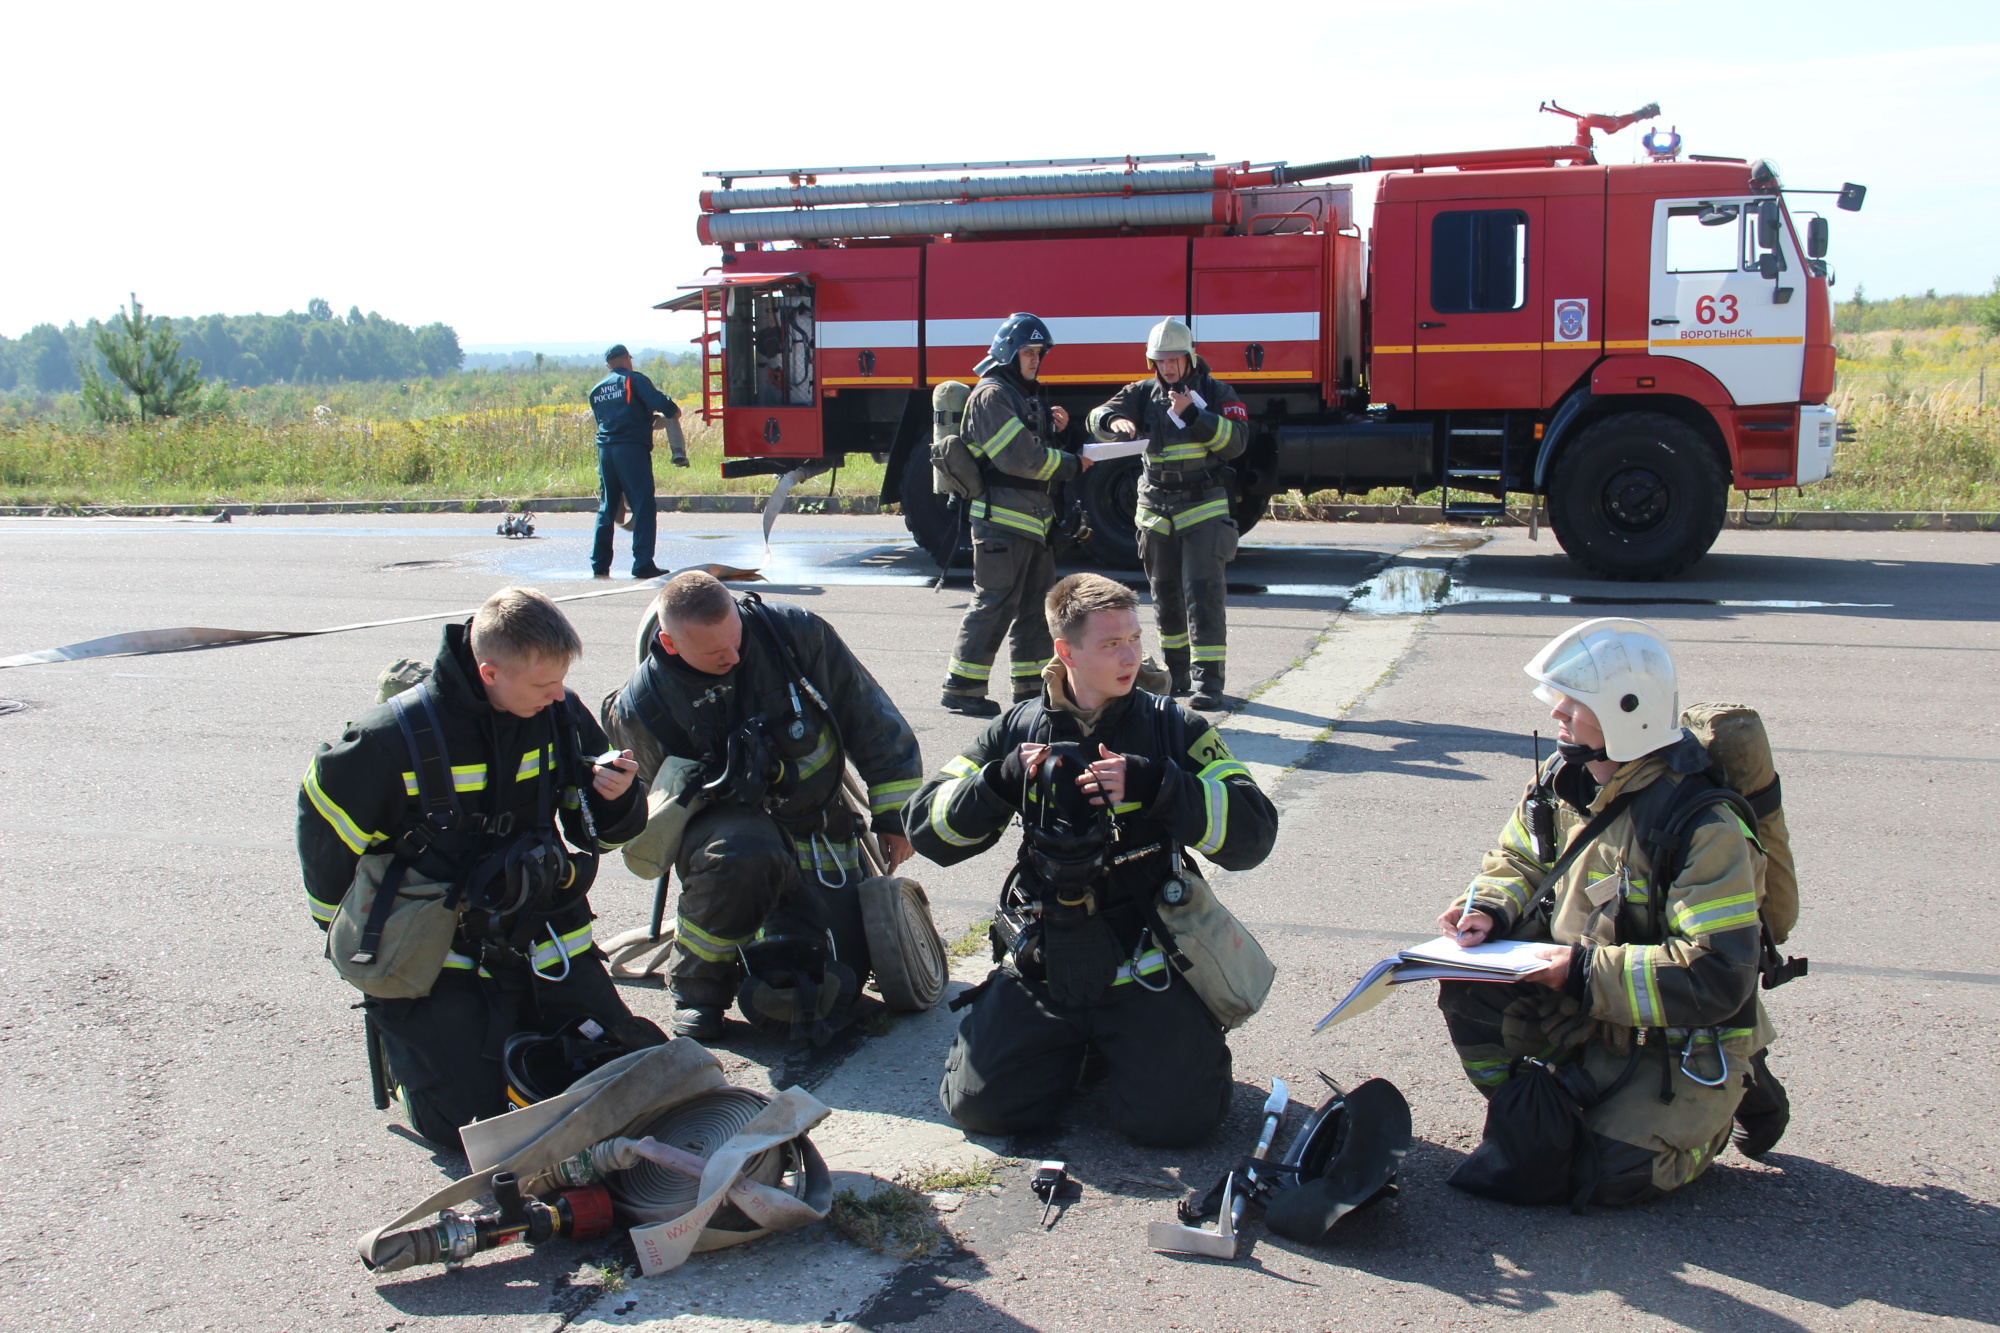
[1572, 321]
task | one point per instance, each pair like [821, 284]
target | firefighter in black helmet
[1011, 429]
[1193, 423]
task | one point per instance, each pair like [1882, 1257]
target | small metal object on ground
[1047, 1183]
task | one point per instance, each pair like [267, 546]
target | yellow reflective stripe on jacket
[531, 765]
[1149, 963]
[1032, 524]
[960, 770]
[1718, 914]
[1201, 513]
[550, 952]
[1514, 838]
[816, 760]
[1216, 831]
[1509, 890]
[817, 856]
[322, 912]
[464, 777]
[1642, 985]
[1487, 1073]
[1153, 521]
[889, 795]
[1052, 460]
[1180, 453]
[713, 948]
[358, 839]
[458, 960]
[1001, 438]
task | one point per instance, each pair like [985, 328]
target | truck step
[1469, 431]
[1452, 510]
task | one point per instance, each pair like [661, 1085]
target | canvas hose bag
[669, 807]
[622, 1099]
[414, 936]
[1214, 953]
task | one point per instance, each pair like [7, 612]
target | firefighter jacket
[1007, 429]
[1183, 790]
[1697, 967]
[691, 714]
[623, 403]
[1183, 484]
[361, 793]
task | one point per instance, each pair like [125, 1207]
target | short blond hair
[692, 597]
[519, 623]
[1072, 600]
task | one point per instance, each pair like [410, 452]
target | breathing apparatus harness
[1052, 920]
[510, 879]
[1664, 815]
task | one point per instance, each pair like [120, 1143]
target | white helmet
[1623, 671]
[1169, 337]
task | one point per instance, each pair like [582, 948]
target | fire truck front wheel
[1109, 496]
[1638, 496]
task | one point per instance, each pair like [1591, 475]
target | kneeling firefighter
[1108, 941]
[448, 843]
[754, 710]
[1646, 875]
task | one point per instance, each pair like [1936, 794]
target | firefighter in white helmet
[1651, 988]
[1192, 423]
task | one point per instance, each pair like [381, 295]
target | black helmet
[539, 1066]
[1344, 1158]
[794, 988]
[1017, 332]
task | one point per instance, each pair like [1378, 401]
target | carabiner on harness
[1722, 1060]
[555, 941]
[813, 841]
[1138, 952]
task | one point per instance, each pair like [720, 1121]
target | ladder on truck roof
[1470, 457]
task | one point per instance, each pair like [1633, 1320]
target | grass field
[1928, 437]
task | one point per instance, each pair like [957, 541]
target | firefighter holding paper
[1193, 423]
[1651, 988]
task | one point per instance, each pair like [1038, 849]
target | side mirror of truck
[1767, 225]
[1851, 197]
[1770, 264]
[1816, 232]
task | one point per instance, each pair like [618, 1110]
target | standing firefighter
[1010, 428]
[1648, 1013]
[628, 410]
[475, 792]
[761, 706]
[1103, 918]
[1193, 423]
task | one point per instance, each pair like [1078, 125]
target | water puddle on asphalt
[1404, 590]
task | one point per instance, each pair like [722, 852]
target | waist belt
[1000, 481]
[1176, 479]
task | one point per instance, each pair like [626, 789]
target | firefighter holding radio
[1103, 912]
[1192, 424]
[1011, 429]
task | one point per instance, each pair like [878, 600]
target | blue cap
[613, 352]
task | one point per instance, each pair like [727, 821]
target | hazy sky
[528, 173]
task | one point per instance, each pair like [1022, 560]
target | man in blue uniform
[628, 410]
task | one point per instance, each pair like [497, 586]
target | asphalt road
[183, 1101]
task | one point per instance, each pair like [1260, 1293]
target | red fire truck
[1623, 343]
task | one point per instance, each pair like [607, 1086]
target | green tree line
[1928, 311]
[314, 347]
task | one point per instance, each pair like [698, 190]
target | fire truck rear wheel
[1639, 496]
[1109, 494]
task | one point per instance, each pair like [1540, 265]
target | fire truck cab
[1625, 342]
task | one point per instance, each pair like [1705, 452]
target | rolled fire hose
[651, 1190]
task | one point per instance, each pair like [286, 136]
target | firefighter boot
[1764, 1112]
[1207, 687]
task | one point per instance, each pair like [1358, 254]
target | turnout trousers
[1011, 575]
[1646, 1145]
[1186, 571]
[738, 870]
[444, 1048]
[624, 472]
[1018, 1057]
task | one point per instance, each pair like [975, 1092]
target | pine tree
[145, 357]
